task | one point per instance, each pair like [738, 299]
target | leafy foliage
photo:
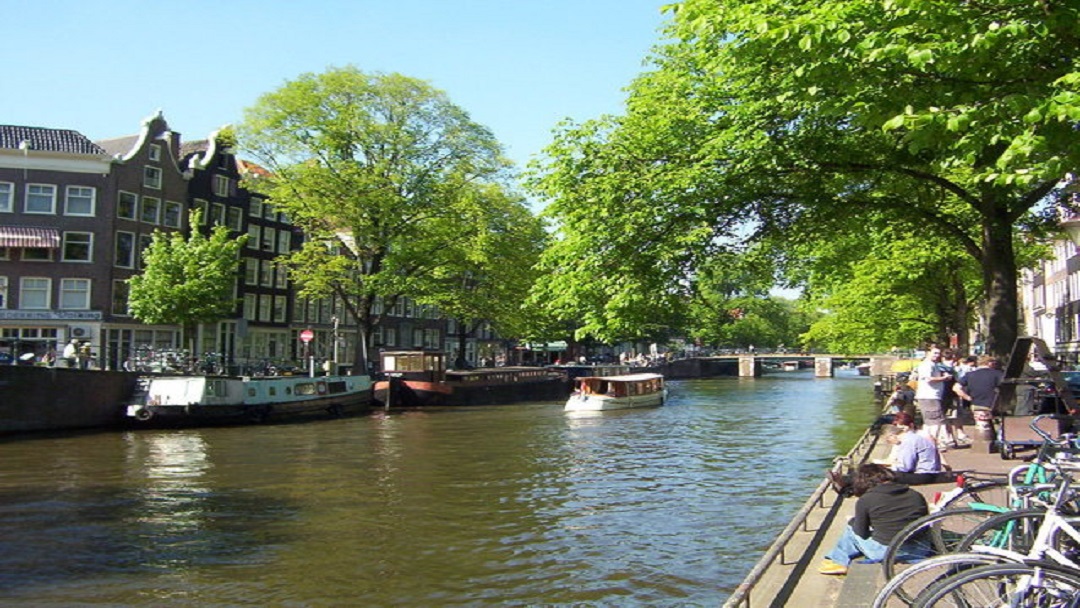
[189, 280]
[382, 172]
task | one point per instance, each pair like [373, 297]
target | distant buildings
[1050, 296]
[75, 216]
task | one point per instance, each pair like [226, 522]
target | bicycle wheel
[1016, 531]
[930, 535]
[995, 492]
[903, 588]
[1019, 585]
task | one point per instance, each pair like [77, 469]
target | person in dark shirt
[883, 509]
[980, 387]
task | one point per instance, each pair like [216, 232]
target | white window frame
[3, 292]
[177, 212]
[269, 238]
[40, 190]
[266, 304]
[234, 218]
[134, 205]
[120, 288]
[218, 211]
[155, 153]
[75, 294]
[279, 309]
[250, 305]
[72, 238]
[154, 202]
[151, 177]
[132, 254]
[221, 186]
[266, 273]
[44, 289]
[88, 194]
[284, 240]
[7, 197]
[251, 271]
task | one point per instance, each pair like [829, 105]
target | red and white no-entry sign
[306, 336]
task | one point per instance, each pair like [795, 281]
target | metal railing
[857, 455]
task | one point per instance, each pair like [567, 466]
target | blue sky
[517, 66]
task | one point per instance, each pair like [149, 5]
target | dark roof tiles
[48, 140]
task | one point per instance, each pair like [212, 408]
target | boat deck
[791, 579]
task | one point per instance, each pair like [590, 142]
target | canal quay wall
[786, 575]
[56, 398]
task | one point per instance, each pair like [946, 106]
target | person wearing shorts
[932, 377]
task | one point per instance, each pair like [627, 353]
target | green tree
[804, 119]
[491, 268]
[187, 280]
[379, 170]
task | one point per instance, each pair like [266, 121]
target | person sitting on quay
[916, 459]
[883, 509]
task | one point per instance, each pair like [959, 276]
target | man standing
[980, 387]
[932, 377]
[71, 351]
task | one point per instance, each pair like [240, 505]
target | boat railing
[856, 456]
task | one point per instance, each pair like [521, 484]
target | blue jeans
[850, 546]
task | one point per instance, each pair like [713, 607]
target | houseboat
[204, 400]
[420, 378]
[601, 393]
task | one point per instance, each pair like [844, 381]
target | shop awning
[27, 236]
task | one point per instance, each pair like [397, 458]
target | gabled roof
[119, 146]
[48, 140]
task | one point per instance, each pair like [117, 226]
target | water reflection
[508, 505]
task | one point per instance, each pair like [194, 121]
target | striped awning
[26, 236]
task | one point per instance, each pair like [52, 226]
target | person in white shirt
[932, 378]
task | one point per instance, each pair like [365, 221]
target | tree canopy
[187, 280]
[800, 121]
[381, 171]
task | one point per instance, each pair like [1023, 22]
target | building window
[120, 291]
[390, 335]
[155, 153]
[268, 211]
[78, 247]
[152, 178]
[266, 274]
[34, 293]
[125, 250]
[151, 210]
[40, 198]
[79, 200]
[253, 236]
[279, 309]
[284, 244]
[171, 218]
[281, 276]
[235, 219]
[222, 185]
[126, 205]
[255, 210]
[75, 294]
[251, 271]
[7, 197]
[269, 236]
[217, 210]
[265, 303]
[249, 306]
[144, 243]
[37, 254]
[3, 292]
[418, 338]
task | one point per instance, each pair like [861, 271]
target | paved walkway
[794, 581]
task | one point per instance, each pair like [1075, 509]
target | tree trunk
[999, 281]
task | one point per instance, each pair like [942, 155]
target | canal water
[517, 505]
